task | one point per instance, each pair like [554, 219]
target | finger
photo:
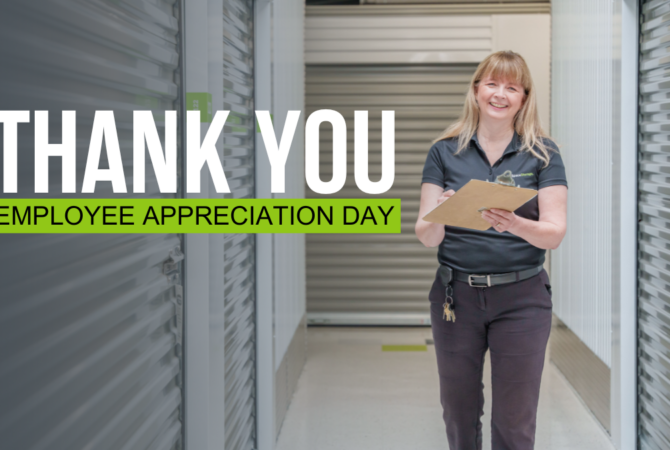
[450, 192]
[489, 220]
[493, 217]
[500, 227]
[487, 216]
[501, 212]
[497, 224]
[498, 217]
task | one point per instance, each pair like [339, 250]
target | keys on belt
[447, 274]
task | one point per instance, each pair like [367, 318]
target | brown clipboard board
[463, 209]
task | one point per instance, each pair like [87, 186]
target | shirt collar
[513, 146]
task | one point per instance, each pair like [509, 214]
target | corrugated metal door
[239, 250]
[654, 235]
[90, 325]
[380, 279]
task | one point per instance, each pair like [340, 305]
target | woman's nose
[500, 92]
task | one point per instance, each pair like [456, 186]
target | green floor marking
[404, 348]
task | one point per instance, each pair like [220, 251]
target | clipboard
[463, 209]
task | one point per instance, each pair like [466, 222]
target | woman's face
[499, 100]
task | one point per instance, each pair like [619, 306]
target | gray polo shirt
[488, 251]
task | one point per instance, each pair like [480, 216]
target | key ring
[449, 304]
[449, 291]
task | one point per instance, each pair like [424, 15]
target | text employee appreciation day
[198, 152]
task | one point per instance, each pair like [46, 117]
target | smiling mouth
[497, 105]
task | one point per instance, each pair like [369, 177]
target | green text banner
[199, 216]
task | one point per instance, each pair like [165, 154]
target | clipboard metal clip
[506, 179]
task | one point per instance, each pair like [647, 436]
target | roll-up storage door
[654, 228]
[90, 325]
[379, 279]
[239, 249]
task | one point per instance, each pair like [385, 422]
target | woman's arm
[548, 231]
[430, 234]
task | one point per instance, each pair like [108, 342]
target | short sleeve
[554, 173]
[433, 170]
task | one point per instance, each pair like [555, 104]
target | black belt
[489, 280]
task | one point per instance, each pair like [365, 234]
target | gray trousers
[512, 320]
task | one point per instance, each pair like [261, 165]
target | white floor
[352, 396]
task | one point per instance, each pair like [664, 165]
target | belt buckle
[488, 280]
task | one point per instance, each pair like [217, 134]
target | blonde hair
[503, 65]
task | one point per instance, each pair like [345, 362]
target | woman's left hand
[545, 233]
[500, 219]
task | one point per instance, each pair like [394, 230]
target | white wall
[265, 368]
[216, 413]
[594, 117]
[197, 392]
[280, 285]
[582, 65]
[288, 71]
[623, 375]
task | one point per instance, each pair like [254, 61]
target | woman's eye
[513, 89]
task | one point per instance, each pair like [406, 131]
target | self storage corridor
[267, 341]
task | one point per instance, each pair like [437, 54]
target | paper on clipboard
[463, 209]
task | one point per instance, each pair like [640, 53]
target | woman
[499, 291]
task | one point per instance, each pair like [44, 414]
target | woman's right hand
[445, 195]
[429, 233]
